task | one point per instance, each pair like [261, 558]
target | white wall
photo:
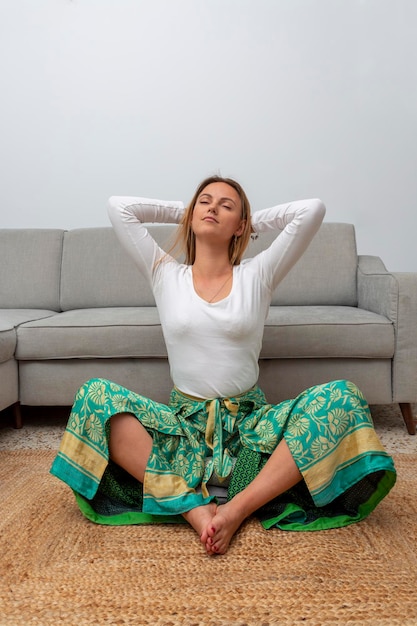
[294, 98]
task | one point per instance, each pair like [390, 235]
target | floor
[43, 428]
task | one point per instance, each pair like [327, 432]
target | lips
[209, 218]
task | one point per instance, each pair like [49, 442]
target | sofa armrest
[393, 295]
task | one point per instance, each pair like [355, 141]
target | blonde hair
[185, 239]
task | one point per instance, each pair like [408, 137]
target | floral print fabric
[328, 429]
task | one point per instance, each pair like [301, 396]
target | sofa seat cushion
[326, 331]
[9, 319]
[129, 332]
[7, 341]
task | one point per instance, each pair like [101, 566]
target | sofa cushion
[93, 333]
[97, 272]
[9, 319]
[7, 341]
[15, 317]
[321, 331]
[290, 332]
[325, 274]
[9, 383]
[30, 260]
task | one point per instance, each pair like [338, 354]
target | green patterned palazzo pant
[328, 429]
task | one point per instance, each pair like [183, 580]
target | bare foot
[200, 518]
[222, 528]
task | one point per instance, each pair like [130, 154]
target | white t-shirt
[213, 348]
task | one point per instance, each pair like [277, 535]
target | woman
[308, 463]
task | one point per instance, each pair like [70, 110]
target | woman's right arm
[128, 215]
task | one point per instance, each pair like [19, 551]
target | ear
[240, 228]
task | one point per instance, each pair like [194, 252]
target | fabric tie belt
[222, 415]
[221, 418]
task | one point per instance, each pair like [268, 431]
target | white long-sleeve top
[213, 348]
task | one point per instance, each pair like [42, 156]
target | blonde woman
[312, 462]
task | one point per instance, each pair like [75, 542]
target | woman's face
[218, 212]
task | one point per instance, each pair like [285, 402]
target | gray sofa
[73, 306]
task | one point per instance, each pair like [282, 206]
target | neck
[211, 262]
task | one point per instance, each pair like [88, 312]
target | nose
[212, 208]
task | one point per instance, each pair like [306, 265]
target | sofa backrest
[97, 272]
[325, 274]
[30, 262]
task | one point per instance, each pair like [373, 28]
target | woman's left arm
[297, 223]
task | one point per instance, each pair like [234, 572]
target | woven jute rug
[58, 568]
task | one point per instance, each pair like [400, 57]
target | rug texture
[58, 568]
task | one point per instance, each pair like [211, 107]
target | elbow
[113, 203]
[111, 208]
[115, 206]
[319, 208]
[114, 209]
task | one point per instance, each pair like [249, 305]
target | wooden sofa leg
[408, 417]
[17, 413]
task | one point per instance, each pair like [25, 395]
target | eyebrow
[208, 195]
